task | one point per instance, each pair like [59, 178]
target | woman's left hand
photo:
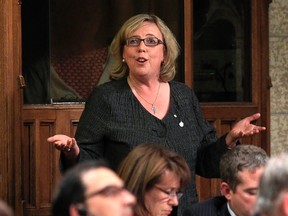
[243, 128]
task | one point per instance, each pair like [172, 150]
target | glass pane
[75, 40]
[222, 47]
[35, 51]
[79, 47]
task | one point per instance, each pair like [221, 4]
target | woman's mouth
[141, 60]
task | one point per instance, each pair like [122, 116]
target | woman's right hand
[64, 143]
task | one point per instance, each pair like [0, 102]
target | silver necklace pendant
[154, 109]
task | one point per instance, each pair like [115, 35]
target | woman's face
[157, 199]
[145, 60]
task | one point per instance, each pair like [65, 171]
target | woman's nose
[174, 201]
[142, 47]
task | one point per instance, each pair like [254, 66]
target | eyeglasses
[171, 194]
[148, 41]
[108, 191]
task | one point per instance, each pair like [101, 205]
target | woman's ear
[225, 190]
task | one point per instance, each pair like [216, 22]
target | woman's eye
[151, 40]
[133, 41]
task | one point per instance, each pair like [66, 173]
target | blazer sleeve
[211, 147]
[92, 128]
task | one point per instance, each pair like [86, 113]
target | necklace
[153, 107]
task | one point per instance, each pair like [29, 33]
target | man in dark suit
[240, 169]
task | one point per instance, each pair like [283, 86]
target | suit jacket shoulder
[216, 206]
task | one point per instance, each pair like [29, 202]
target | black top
[216, 206]
[114, 121]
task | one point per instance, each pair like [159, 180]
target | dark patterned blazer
[114, 121]
[216, 206]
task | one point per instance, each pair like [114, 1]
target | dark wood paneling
[40, 165]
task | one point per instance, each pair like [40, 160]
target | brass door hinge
[21, 81]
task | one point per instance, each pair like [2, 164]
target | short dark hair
[237, 159]
[70, 190]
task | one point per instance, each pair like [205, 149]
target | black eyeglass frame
[139, 40]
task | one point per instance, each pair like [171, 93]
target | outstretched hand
[244, 128]
[64, 143]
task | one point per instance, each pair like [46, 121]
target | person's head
[240, 170]
[272, 199]
[156, 176]
[5, 210]
[161, 58]
[92, 189]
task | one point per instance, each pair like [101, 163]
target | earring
[123, 60]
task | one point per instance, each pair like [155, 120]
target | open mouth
[141, 60]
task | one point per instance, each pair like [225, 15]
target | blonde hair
[142, 169]
[171, 47]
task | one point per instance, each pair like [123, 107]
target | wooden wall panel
[28, 162]
[40, 166]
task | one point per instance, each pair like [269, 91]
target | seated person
[70, 65]
[272, 198]
[240, 170]
[90, 188]
[45, 85]
[156, 176]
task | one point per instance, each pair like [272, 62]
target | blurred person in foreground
[273, 190]
[157, 176]
[92, 189]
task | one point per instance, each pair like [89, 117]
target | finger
[55, 138]
[59, 142]
[50, 139]
[258, 129]
[253, 117]
[262, 128]
[73, 140]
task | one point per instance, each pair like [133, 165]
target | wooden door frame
[260, 64]
[10, 103]
[229, 112]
